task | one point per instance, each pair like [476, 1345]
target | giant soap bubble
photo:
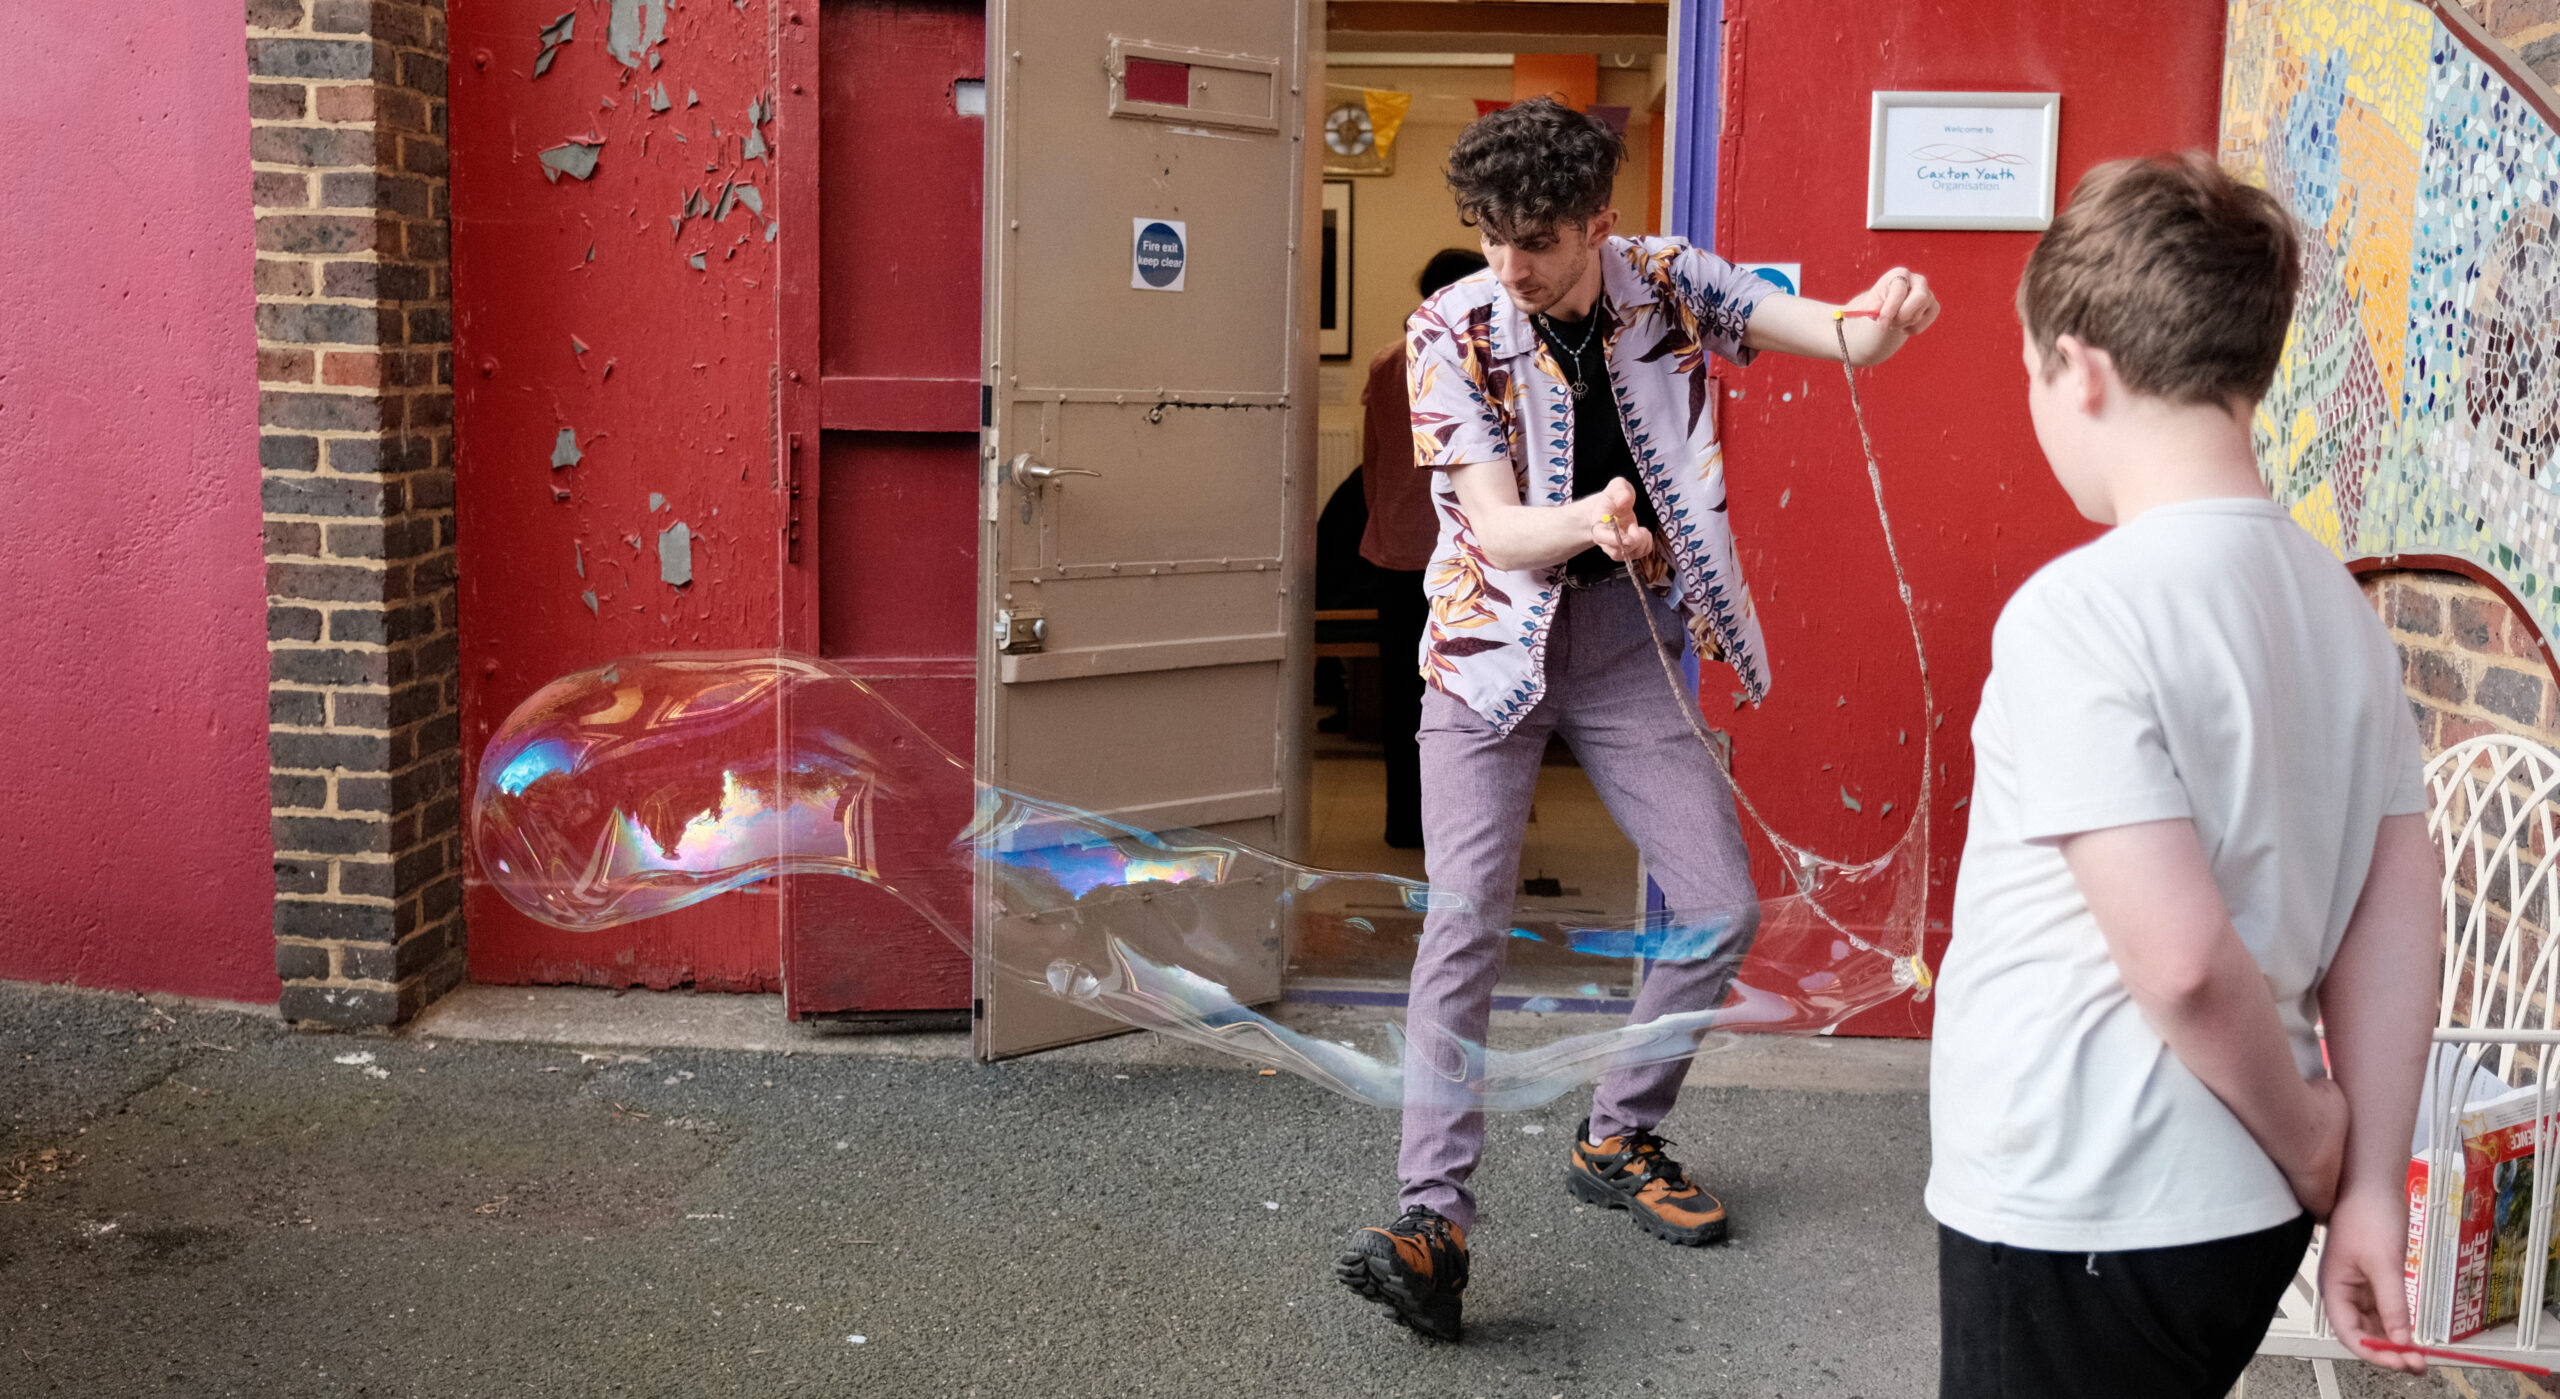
[654, 783]
[657, 782]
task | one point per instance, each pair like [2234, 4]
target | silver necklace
[1590, 328]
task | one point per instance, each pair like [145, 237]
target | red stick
[2466, 1357]
[1859, 315]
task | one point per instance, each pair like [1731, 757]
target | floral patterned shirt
[1486, 388]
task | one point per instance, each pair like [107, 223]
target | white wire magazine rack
[2494, 809]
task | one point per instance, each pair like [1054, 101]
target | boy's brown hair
[2182, 274]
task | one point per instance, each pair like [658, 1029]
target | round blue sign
[1775, 278]
[1160, 254]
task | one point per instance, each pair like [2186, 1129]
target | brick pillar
[355, 412]
[2469, 662]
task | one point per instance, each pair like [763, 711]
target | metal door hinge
[978, 1009]
[791, 524]
[1020, 631]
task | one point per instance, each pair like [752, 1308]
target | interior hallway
[1571, 838]
[1574, 862]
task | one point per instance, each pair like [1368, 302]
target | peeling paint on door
[635, 27]
[575, 159]
[683, 410]
[554, 34]
[675, 554]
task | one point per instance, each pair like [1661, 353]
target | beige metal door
[1146, 458]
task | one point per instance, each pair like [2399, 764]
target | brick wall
[2529, 27]
[2469, 662]
[354, 322]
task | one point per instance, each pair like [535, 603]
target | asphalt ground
[199, 1203]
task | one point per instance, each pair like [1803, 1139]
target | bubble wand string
[1915, 966]
[2465, 1357]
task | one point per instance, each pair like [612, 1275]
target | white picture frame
[1962, 160]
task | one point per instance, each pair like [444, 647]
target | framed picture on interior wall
[1973, 160]
[1333, 276]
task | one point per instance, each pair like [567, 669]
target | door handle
[1031, 475]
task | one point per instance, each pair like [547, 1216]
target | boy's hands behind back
[2313, 1171]
[2361, 1275]
[2378, 1003]
[2152, 891]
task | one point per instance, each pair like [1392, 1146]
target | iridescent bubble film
[657, 782]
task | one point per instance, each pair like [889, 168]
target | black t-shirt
[1599, 438]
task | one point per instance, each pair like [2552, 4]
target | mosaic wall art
[2418, 407]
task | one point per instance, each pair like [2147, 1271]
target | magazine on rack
[2479, 1265]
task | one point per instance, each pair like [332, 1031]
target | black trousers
[2151, 1323]
[1402, 612]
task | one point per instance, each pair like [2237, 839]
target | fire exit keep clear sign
[1158, 250]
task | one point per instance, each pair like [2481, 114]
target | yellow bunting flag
[1386, 115]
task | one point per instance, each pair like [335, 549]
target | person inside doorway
[1560, 398]
[1403, 530]
[1346, 582]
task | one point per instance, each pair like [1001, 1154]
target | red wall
[134, 851]
[576, 305]
[1974, 507]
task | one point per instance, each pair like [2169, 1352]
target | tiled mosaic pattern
[2418, 408]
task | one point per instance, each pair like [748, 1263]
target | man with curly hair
[1560, 398]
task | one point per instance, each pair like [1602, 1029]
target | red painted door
[616, 482]
[886, 573]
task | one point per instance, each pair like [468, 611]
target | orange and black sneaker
[1416, 1268]
[1631, 1173]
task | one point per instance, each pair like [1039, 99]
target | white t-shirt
[2208, 660]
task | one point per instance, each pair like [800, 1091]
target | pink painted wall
[134, 849]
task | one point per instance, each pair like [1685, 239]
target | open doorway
[1394, 99]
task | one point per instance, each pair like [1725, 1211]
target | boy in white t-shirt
[2197, 831]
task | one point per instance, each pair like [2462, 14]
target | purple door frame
[1698, 64]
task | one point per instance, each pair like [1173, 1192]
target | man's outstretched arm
[2378, 1004]
[1799, 325]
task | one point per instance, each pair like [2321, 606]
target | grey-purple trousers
[1606, 695]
